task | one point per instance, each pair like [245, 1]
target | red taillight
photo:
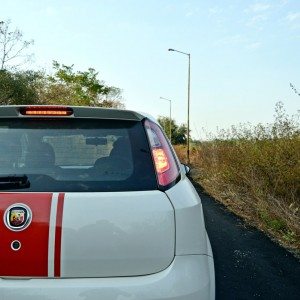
[160, 160]
[46, 111]
[165, 165]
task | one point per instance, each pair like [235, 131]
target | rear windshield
[77, 155]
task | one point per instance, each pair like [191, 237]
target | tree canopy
[70, 87]
[65, 86]
[18, 87]
[12, 46]
[179, 133]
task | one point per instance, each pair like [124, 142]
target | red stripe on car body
[58, 229]
[32, 257]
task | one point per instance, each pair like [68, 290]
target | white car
[94, 204]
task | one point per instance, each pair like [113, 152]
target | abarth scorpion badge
[17, 217]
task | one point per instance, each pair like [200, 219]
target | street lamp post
[188, 106]
[170, 125]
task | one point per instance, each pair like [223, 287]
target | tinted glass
[77, 155]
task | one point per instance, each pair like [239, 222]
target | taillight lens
[166, 167]
[46, 111]
[160, 160]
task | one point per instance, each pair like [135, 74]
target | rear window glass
[77, 155]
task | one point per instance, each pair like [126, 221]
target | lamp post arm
[178, 51]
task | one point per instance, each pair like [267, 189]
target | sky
[244, 54]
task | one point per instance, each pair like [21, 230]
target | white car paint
[190, 227]
[132, 233]
[189, 277]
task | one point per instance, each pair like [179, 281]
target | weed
[255, 171]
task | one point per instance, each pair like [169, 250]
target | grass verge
[255, 172]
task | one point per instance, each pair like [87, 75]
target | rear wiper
[9, 182]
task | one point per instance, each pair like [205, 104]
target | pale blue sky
[244, 53]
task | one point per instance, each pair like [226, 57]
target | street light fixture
[170, 128]
[188, 106]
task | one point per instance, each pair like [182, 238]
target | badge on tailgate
[17, 217]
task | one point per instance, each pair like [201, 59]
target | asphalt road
[248, 265]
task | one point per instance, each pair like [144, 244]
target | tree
[12, 46]
[65, 87]
[77, 88]
[294, 89]
[179, 133]
[18, 87]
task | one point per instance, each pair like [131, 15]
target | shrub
[255, 171]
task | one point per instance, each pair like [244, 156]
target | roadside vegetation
[63, 85]
[178, 132]
[255, 172]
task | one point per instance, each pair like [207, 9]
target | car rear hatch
[79, 198]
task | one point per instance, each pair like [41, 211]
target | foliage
[18, 87]
[179, 133]
[12, 46]
[77, 88]
[65, 87]
[255, 171]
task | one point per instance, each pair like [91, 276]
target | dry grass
[255, 172]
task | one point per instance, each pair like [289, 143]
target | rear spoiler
[13, 111]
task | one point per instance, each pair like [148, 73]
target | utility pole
[188, 104]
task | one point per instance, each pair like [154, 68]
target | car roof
[12, 111]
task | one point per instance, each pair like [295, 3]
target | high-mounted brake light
[46, 111]
[165, 165]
